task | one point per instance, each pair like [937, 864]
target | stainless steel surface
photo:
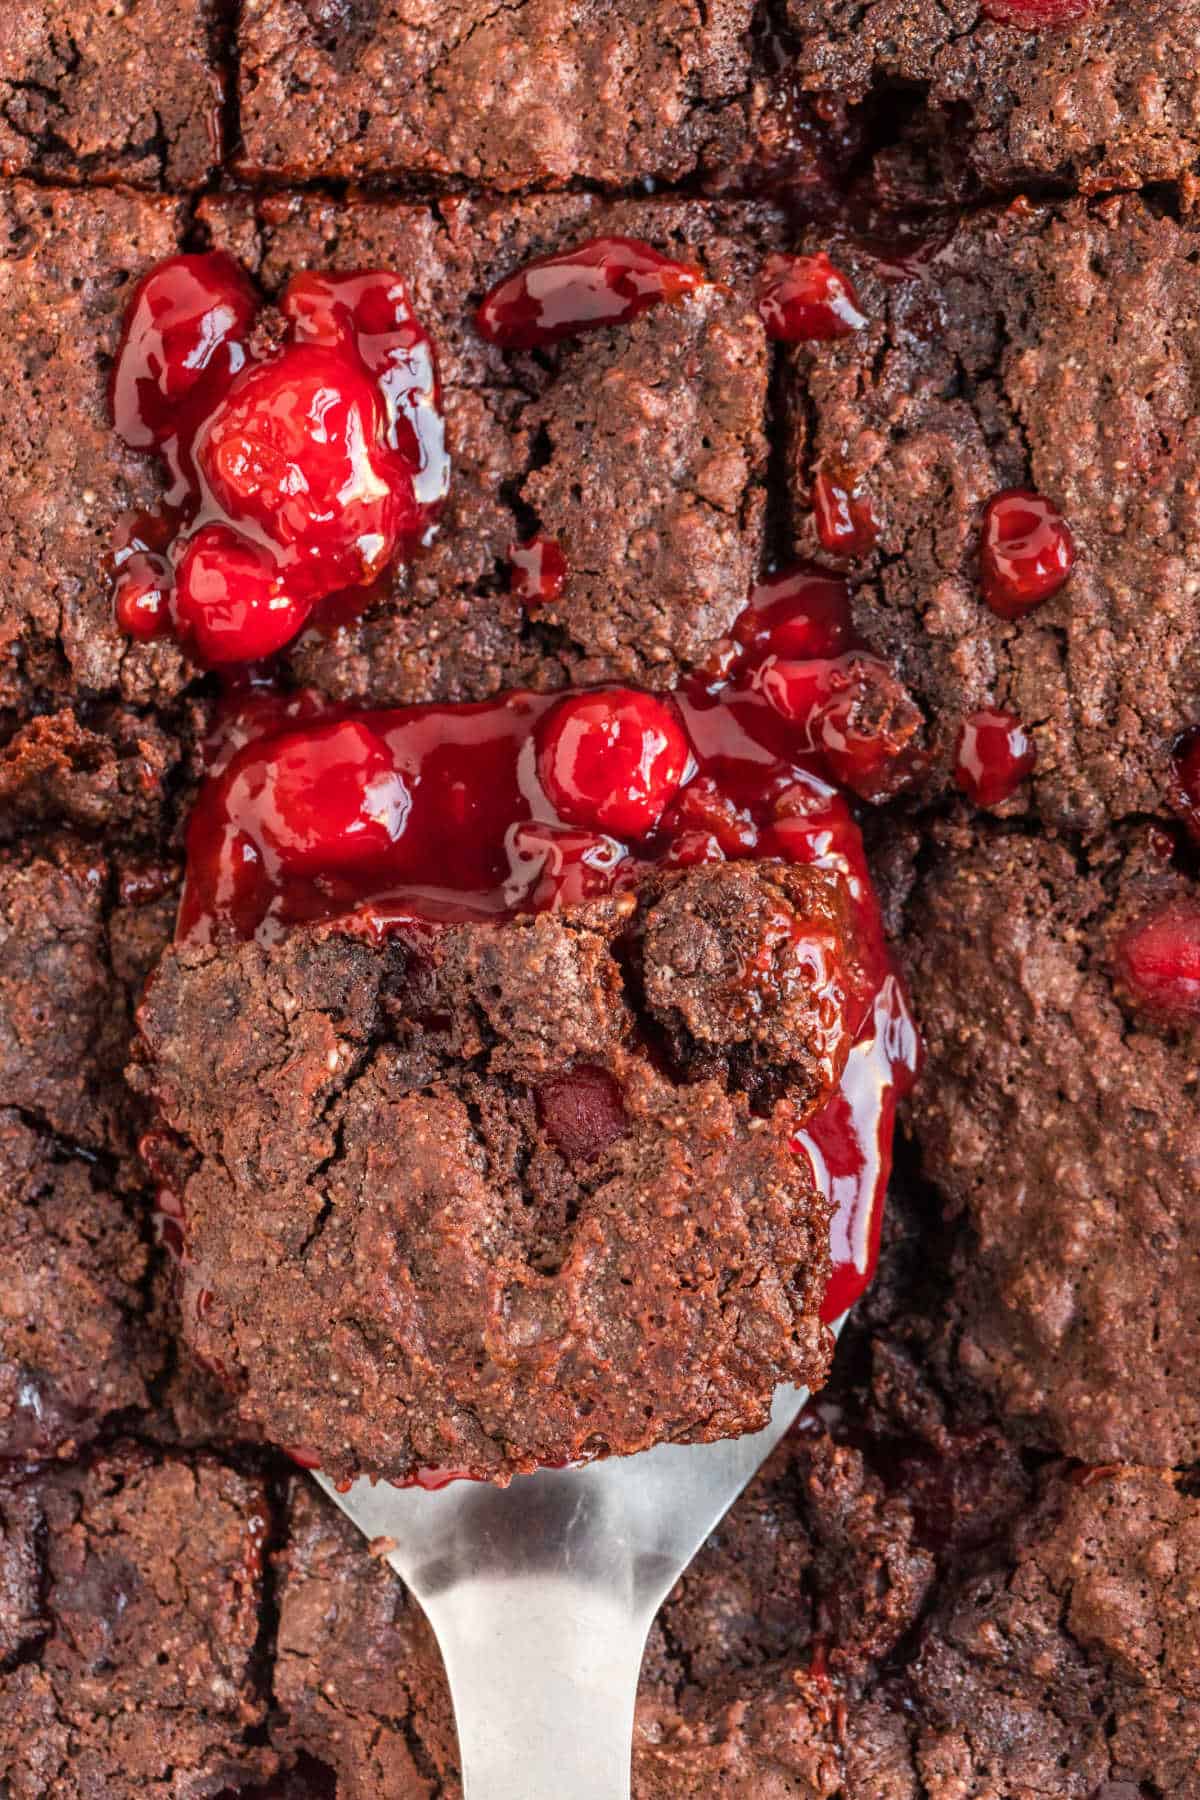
[541, 1595]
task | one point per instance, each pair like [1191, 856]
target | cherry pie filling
[405, 819]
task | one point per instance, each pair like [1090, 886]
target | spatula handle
[543, 1673]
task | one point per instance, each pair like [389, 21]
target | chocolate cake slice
[525, 1241]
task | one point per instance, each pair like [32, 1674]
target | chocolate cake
[566, 442]
[68, 260]
[453, 934]
[116, 94]
[1021, 93]
[1001, 356]
[130, 1598]
[1057, 1115]
[463, 1146]
[535, 95]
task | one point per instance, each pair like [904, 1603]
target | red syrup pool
[407, 819]
[298, 470]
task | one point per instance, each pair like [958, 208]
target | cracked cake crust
[111, 93]
[1063, 1126]
[641, 450]
[519, 94]
[130, 1591]
[1005, 358]
[507, 1276]
[1107, 100]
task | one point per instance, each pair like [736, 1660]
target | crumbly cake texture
[130, 1597]
[1106, 100]
[970, 1574]
[111, 93]
[1063, 1127]
[513, 1269]
[642, 452]
[1008, 359]
[68, 261]
[537, 94]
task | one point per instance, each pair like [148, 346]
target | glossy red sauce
[602, 281]
[993, 756]
[1026, 552]
[845, 519]
[296, 471]
[538, 571]
[807, 299]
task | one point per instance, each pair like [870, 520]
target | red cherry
[689, 848]
[851, 710]
[605, 281]
[1026, 552]
[703, 809]
[186, 322]
[612, 760]
[539, 571]
[801, 612]
[554, 866]
[331, 798]
[141, 595]
[231, 603]
[1157, 960]
[295, 450]
[369, 314]
[1032, 13]
[845, 519]
[582, 1112]
[804, 299]
[993, 756]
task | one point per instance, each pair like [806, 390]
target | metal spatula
[541, 1595]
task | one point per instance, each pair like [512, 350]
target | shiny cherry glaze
[845, 519]
[538, 571]
[993, 756]
[1187, 780]
[186, 324]
[1156, 960]
[398, 820]
[611, 761]
[801, 612]
[806, 299]
[1030, 14]
[1026, 552]
[294, 475]
[604, 281]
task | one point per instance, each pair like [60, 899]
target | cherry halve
[1026, 552]
[993, 756]
[1156, 961]
[612, 761]
[800, 612]
[538, 571]
[603, 281]
[806, 299]
[582, 1112]
[294, 453]
[186, 323]
[843, 514]
[295, 475]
